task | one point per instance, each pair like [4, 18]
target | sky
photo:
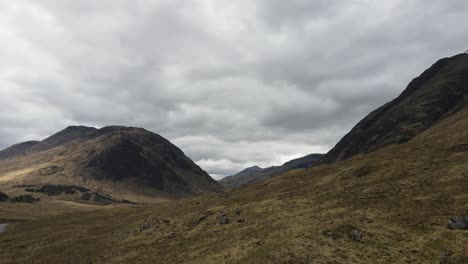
[232, 83]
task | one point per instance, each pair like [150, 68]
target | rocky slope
[102, 165]
[437, 93]
[255, 174]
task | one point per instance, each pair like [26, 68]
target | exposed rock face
[440, 91]
[254, 174]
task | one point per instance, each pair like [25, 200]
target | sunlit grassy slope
[401, 197]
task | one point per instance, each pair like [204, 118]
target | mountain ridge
[438, 92]
[255, 173]
[122, 162]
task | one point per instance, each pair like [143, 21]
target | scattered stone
[144, 227]
[356, 235]
[366, 220]
[344, 231]
[224, 220]
[238, 211]
[458, 223]
[166, 221]
[240, 220]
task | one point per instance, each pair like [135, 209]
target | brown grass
[401, 197]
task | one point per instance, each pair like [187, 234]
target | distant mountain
[255, 173]
[437, 93]
[113, 162]
[17, 149]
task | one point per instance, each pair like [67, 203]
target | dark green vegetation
[55, 190]
[86, 194]
[18, 199]
[400, 203]
[3, 197]
[255, 174]
[27, 198]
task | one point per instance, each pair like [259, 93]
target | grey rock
[356, 235]
[459, 223]
[224, 220]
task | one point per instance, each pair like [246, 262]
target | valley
[393, 190]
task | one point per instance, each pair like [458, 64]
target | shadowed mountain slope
[254, 174]
[437, 93]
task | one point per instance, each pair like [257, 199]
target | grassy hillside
[397, 201]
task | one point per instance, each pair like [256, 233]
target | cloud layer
[232, 83]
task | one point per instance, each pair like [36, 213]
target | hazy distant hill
[254, 174]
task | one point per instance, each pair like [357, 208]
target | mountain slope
[393, 205]
[437, 93]
[104, 165]
[17, 149]
[255, 174]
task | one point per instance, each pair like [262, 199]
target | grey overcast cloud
[232, 83]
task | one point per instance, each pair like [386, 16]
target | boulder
[356, 235]
[238, 211]
[459, 223]
[223, 220]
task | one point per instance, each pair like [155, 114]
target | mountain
[255, 174]
[107, 165]
[437, 93]
[399, 203]
[17, 149]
